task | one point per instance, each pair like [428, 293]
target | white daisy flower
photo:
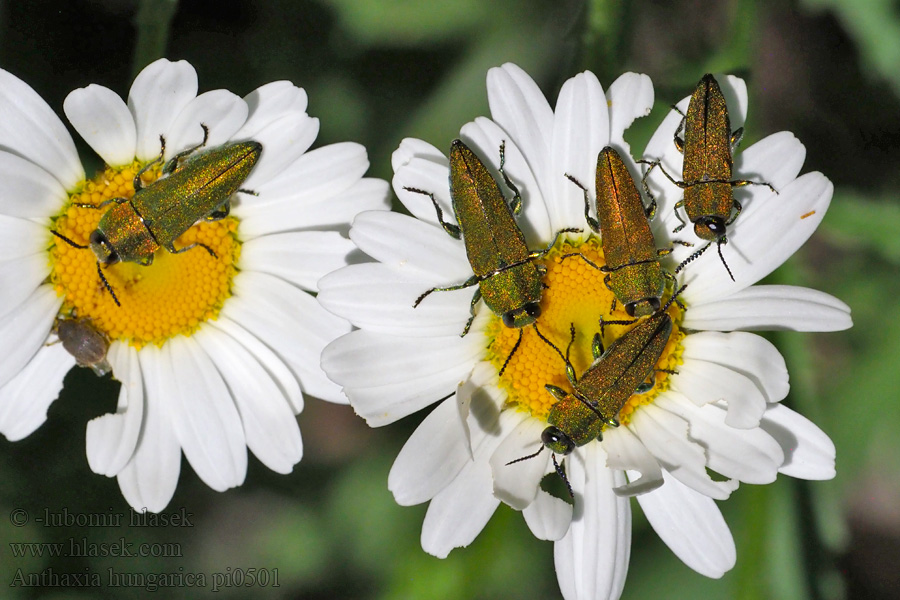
[214, 349]
[718, 412]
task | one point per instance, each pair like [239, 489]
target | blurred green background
[380, 70]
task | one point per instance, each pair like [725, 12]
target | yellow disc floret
[575, 295]
[171, 296]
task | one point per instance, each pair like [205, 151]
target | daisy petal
[388, 378]
[222, 112]
[28, 191]
[300, 258]
[691, 526]
[283, 141]
[666, 436]
[592, 559]
[431, 458]
[460, 511]
[102, 118]
[477, 402]
[269, 425]
[426, 175]
[547, 517]
[735, 91]
[333, 212]
[381, 298]
[412, 147]
[809, 452]
[23, 332]
[336, 212]
[745, 353]
[324, 172]
[771, 231]
[625, 451]
[19, 237]
[629, 97]
[518, 484]
[204, 417]
[271, 102]
[485, 138]
[274, 366]
[111, 439]
[291, 323]
[749, 455]
[148, 480]
[705, 382]
[580, 131]
[25, 398]
[519, 107]
[772, 307]
[19, 279]
[775, 159]
[32, 130]
[159, 93]
[408, 243]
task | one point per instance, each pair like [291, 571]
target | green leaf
[857, 222]
[875, 27]
[409, 22]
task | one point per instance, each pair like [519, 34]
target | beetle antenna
[107, 286]
[68, 241]
[512, 462]
[723, 260]
[548, 342]
[691, 258]
[562, 474]
[511, 352]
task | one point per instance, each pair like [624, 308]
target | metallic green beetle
[616, 374]
[508, 279]
[85, 342]
[633, 272]
[195, 185]
[708, 164]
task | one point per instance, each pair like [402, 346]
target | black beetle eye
[533, 309]
[509, 319]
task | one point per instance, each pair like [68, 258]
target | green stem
[152, 22]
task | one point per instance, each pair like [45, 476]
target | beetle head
[522, 316]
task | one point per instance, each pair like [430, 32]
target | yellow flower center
[169, 297]
[575, 295]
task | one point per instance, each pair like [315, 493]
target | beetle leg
[544, 251]
[584, 258]
[515, 204]
[172, 165]
[171, 248]
[475, 298]
[597, 346]
[679, 204]
[251, 192]
[222, 211]
[473, 280]
[743, 182]
[737, 210]
[679, 141]
[119, 200]
[593, 223]
[451, 229]
[736, 137]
